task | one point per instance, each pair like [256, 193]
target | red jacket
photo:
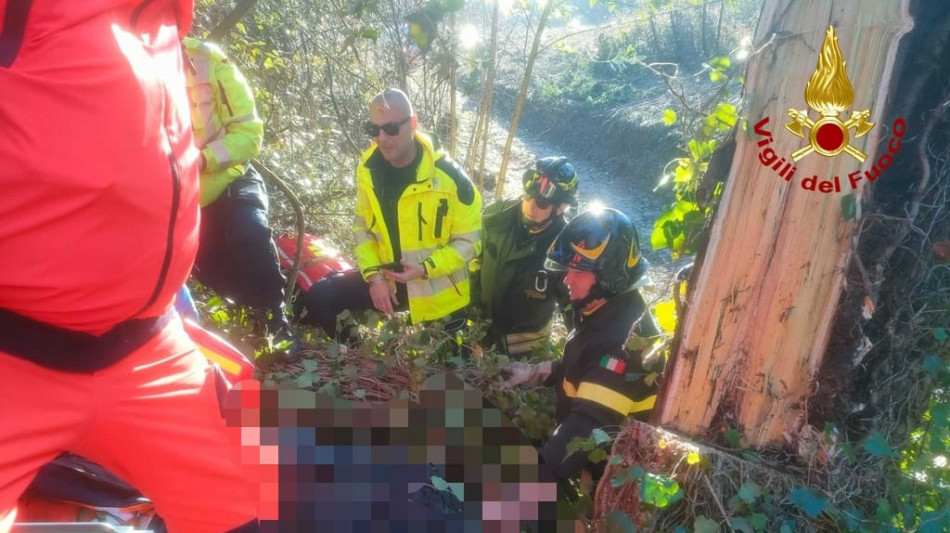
[98, 172]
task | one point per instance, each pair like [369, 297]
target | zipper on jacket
[224, 98]
[421, 220]
[439, 215]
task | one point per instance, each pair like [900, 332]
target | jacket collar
[373, 158]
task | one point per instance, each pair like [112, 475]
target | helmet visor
[540, 187]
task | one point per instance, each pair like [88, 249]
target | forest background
[639, 94]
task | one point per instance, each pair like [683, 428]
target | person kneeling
[598, 382]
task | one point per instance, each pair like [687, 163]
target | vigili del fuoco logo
[829, 93]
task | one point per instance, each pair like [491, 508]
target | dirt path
[595, 185]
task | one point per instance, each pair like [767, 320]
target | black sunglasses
[540, 201]
[391, 128]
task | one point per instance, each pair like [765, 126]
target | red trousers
[153, 419]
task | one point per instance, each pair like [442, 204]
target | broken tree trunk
[762, 300]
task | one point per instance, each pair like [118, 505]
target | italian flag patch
[613, 364]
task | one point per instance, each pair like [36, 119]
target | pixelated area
[450, 462]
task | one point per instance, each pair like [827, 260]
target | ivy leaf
[931, 522]
[636, 343]
[932, 365]
[331, 388]
[759, 521]
[739, 523]
[659, 491]
[333, 350]
[808, 501]
[439, 483]
[617, 521]
[309, 365]
[940, 414]
[369, 33]
[749, 491]
[600, 436]
[849, 207]
[733, 438]
[669, 117]
[305, 380]
[941, 335]
[615, 460]
[788, 526]
[877, 446]
[705, 525]
[579, 444]
[725, 113]
[883, 513]
[720, 63]
[596, 456]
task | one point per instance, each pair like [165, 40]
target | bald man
[417, 225]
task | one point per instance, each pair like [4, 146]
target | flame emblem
[829, 92]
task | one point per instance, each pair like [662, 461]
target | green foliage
[618, 522]
[704, 524]
[702, 129]
[659, 491]
[808, 501]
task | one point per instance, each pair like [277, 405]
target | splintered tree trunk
[762, 300]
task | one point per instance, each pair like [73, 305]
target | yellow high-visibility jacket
[439, 225]
[223, 116]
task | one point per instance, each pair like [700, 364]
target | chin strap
[537, 227]
[596, 293]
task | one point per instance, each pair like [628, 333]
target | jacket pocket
[440, 216]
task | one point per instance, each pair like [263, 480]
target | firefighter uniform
[598, 381]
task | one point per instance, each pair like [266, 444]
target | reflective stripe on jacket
[439, 225]
[598, 376]
[227, 128]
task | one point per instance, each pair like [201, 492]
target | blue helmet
[604, 242]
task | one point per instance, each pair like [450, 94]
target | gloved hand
[527, 373]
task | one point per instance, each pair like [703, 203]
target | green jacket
[510, 285]
[223, 116]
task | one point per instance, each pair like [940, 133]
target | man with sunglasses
[511, 288]
[417, 226]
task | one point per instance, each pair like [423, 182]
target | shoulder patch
[466, 189]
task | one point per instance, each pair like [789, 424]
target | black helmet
[552, 180]
[604, 242]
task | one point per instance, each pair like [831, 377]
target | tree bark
[762, 301]
[522, 96]
[224, 27]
